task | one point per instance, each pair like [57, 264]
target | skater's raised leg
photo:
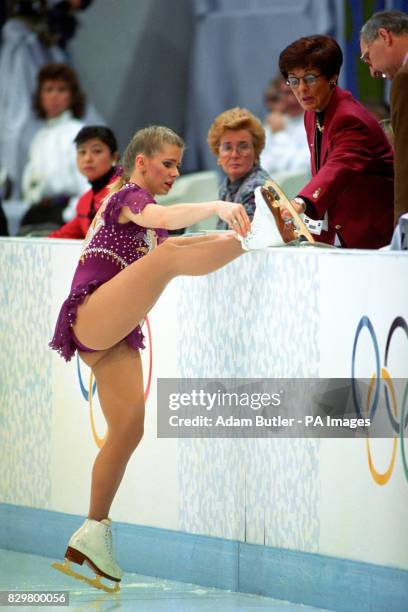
[130, 295]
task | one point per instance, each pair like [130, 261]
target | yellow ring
[98, 441]
[382, 478]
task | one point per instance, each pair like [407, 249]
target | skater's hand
[236, 217]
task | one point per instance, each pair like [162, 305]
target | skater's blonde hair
[147, 141]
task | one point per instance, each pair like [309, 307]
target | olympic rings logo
[398, 424]
[88, 393]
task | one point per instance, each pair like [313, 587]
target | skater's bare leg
[119, 379]
[188, 240]
[128, 296]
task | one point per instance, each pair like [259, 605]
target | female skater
[119, 277]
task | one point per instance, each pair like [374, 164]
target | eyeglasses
[365, 57]
[309, 80]
[242, 148]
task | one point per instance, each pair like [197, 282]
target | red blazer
[78, 226]
[355, 183]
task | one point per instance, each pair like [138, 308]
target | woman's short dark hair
[101, 132]
[320, 52]
[60, 72]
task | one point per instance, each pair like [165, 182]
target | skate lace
[256, 227]
[109, 543]
[251, 234]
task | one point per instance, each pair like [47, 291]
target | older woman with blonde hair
[237, 138]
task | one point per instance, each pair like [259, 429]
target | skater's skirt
[64, 340]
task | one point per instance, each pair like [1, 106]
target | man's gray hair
[392, 21]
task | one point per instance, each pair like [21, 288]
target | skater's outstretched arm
[183, 215]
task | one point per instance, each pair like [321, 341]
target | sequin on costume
[109, 247]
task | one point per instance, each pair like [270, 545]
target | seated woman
[237, 138]
[349, 200]
[51, 179]
[97, 155]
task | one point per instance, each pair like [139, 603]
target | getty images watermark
[263, 408]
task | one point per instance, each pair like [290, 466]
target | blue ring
[365, 322]
[84, 390]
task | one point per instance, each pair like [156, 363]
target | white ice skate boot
[267, 227]
[92, 544]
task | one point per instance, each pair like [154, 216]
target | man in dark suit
[384, 48]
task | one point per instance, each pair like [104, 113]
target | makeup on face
[162, 169]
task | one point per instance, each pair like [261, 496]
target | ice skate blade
[304, 244]
[274, 198]
[94, 582]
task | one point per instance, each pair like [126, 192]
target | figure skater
[120, 276]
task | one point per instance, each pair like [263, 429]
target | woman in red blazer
[97, 156]
[349, 200]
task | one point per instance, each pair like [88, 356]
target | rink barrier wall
[305, 578]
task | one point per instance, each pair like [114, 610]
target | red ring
[149, 378]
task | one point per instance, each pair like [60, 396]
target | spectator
[237, 138]
[285, 146]
[34, 34]
[97, 155]
[51, 179]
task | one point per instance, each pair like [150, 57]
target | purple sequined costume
[109, 247]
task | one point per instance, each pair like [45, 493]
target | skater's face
[55, 97]
[95, 159]
[236, 153]
[159, 171]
